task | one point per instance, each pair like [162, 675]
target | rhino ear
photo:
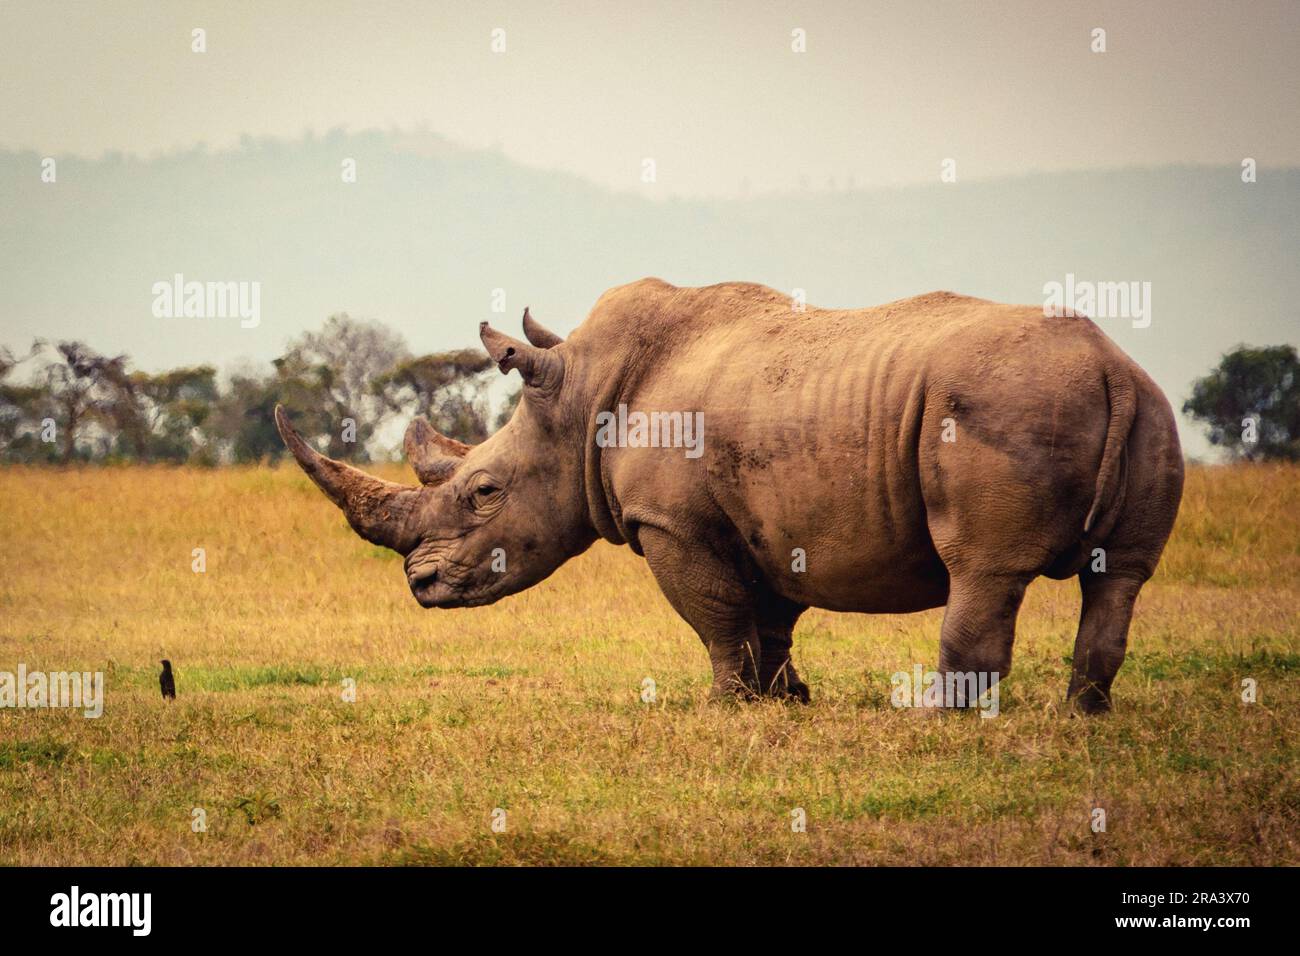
[539, 334]
[541, 369]
[434, 456]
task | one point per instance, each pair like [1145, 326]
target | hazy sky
[712, 91]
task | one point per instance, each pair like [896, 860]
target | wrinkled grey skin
[824, 431]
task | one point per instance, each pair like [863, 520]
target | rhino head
[486, 520]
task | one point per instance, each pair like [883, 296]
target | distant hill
[429, 230]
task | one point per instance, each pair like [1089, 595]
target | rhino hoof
[1091, 705]
[733, 692]
[794, 693]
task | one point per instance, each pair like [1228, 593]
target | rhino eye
[483, 494]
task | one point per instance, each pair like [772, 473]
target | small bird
[167, 682]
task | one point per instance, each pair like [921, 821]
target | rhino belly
[835, 533]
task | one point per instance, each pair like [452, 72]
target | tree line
[66, 402]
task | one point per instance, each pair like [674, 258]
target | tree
[448, 387]
[88, 389]
[174, 405]
[349, 369]
[1254, 393]
[20, 411]
[244, 417]
[326, 378]
[94, 399]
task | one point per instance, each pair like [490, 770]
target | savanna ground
[534, 705]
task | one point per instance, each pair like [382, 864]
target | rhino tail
[1121, 392]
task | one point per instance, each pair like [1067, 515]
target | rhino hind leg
[1131, 550]
[1100, 646]
[774, 618]
[979, 628]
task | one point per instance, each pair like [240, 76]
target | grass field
[534, 705]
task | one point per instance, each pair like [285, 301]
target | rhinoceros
[938, 450]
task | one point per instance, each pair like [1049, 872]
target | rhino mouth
[430, 590]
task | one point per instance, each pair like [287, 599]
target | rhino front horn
[540, 368]
[378, 510]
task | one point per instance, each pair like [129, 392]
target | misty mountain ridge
[429, 231]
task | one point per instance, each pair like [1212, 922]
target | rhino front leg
[775, 618]
[709, 595]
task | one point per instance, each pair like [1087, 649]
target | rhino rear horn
[377, 510]
[540, 368]
[539, 334]
[434, 456]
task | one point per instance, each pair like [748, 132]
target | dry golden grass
[533, 705]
